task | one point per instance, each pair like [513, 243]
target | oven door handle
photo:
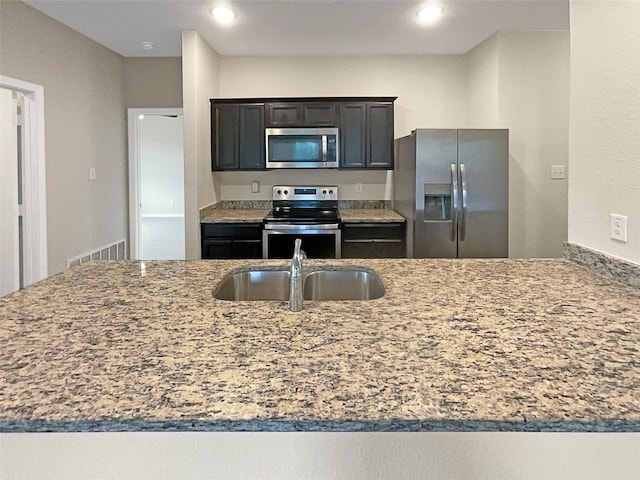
[290, 228]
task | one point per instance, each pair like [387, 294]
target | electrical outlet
[358, 187]
[618, 226]
[255, 187]
[557, 172]
[92, 173]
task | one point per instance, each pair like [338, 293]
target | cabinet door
[231, 240]
[216, 248]
[251, 137]
[319, 115]
[224, 126]
[247, 248]
[284, 114]
[353, 130]
[380, 135]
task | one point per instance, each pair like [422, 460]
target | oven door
[302, 147]
[318, 241]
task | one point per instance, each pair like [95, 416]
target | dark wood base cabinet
[231, 240]
[373, 240]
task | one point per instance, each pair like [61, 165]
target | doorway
[156, 184]
[23, 226]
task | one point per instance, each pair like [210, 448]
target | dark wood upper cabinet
[237, 134]
[353, 135]
[297, 114]
[224, 133]
[380, 135]
[251, 143]
[365, 123]
[367, 135]
[319, 115]
[283, 115]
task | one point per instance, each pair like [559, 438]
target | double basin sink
[352, 283]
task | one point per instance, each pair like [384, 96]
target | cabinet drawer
[218, 248]
[373, 231]
[232, 230]
[395, 249]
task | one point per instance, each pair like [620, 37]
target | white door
[23, 206]
[10, 248]
[156, 172]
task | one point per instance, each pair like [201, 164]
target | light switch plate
[618, 226]
[92, 173]
[358, 187]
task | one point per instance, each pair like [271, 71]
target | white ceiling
[302, 27]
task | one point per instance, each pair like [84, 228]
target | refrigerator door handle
[454, 202]
[463, 221]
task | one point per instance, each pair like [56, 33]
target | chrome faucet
[295, 289]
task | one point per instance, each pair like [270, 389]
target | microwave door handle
[324, 148]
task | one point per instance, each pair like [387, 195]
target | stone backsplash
[611, 267]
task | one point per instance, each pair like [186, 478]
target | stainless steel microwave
[302, 147]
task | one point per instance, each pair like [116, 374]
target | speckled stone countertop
[348, 215]
[370, 215]
[235, 215]
[454, 345]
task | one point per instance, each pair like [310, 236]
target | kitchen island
[453, 345]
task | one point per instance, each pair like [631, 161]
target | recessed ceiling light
[223, 15]
[147, 45]
[429, 14]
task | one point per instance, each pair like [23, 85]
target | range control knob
[279, 192]
[330, 192]
[324, 192]
[286, 192]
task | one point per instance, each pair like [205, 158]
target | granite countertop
[235, 215]
[348, 215]
[454, 345]
[370, 215]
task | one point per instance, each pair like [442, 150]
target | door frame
[35, 266]
[134, 171]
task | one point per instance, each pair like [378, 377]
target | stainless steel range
[306, 212]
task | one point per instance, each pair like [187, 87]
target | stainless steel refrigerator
[452, 186]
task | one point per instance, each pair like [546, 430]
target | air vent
[115, 251]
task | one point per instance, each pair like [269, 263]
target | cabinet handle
[324, 148]
[246, 241]
[372, 225]
[374, 240]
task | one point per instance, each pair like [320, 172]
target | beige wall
[534, 105]
[153, 82]
[85, 126]
[483, 81]
[200, 83]
[520, 81]
[605, 124]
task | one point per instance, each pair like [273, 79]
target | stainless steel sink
[342, 285]
[354, 283]
[254, 285]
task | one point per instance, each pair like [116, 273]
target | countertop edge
[318, 425]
